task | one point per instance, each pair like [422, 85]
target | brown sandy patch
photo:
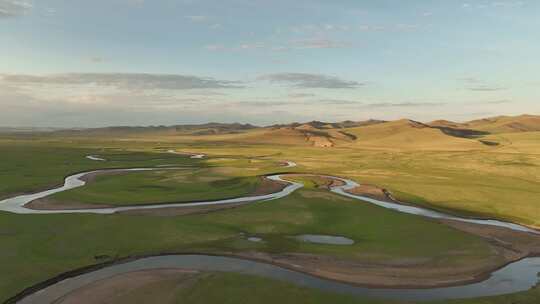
[132, 286]
[372, 192]
[267, 186]
[323, 195]
[323, 182]
[320, 141]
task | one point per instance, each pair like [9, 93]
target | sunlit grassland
[486, 183]
[499, 181]
[36, 247]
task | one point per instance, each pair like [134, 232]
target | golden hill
[302, 135]
[446, 124]
[506, 124]
[410, 135]
[373, 134]
[315, 134]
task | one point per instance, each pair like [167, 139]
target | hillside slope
[410, 135]
[506, 124]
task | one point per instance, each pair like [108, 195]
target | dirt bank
[320, 181]
[135, 286]
[372, 191]
[397, 273]
[51, 204]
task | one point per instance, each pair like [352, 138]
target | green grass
[30, 167]
[489, 183]
[168, 186]
[501, 182]
[37, 247]
[373, 228]
[495, 183]
[236, 288]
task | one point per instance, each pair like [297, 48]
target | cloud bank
[311, 81]
[13, 8]
[124, 81]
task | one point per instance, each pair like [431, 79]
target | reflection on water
[518, 276]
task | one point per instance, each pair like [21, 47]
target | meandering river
[517, 276]
[17, 204]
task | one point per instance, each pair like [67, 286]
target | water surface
[95, 158]
[518, 276]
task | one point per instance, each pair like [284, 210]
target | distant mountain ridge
[369, 133]
[507, 124]
[192, 129]
[330, 125]
[497, 124]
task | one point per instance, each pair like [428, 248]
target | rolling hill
[309, 134]
[401, 134]
[408, 134]
[506, 124]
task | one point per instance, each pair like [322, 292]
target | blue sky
[141, 62]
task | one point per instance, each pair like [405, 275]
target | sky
[163, 62]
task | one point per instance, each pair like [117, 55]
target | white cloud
[98, 99]
[305, 80]
[13, 8]
[122, 81]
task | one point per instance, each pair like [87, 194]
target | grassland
[493, 181]
[36, 247]
[160, 187]
[497, 182]
[29, 166]
[483, 181]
